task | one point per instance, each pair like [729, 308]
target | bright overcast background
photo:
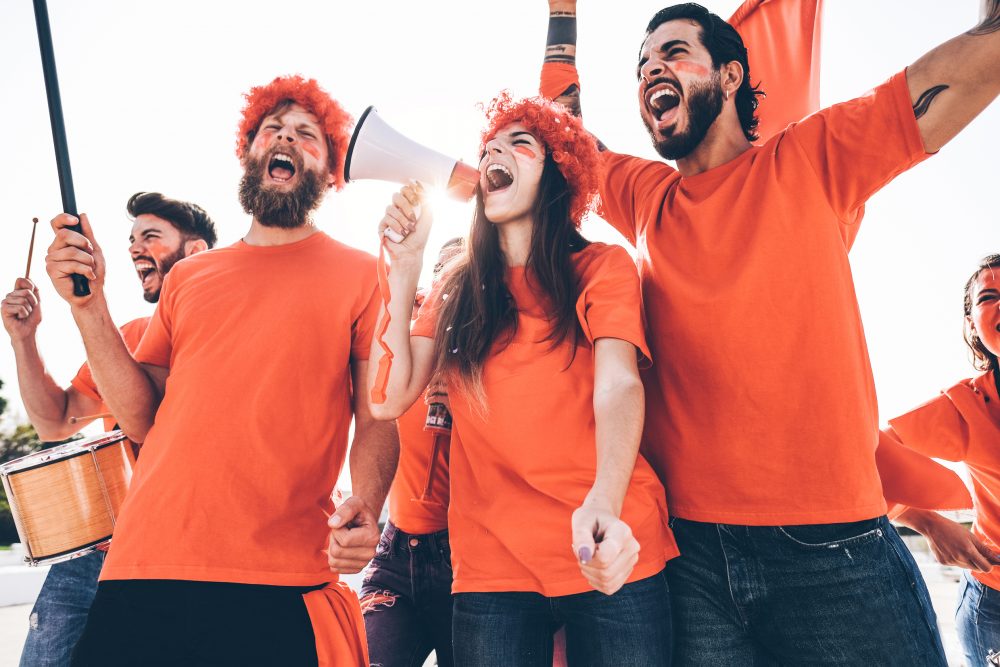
[151, 93]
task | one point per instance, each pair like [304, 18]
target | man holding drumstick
[164, 231]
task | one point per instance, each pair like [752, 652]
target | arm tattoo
[991, 20]
[923, 102]
[570, 98]
[560, 43]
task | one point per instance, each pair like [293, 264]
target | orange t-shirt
[761, 409]
[84, 380]
[418, 499]
[247, 444]
[519, 472]
[963, 424]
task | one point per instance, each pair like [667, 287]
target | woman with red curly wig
[555, 520]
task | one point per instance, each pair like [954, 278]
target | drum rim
[85, 446]
[90, 546]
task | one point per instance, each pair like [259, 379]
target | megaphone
[382, 153]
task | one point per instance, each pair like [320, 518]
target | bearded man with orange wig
[242, 396]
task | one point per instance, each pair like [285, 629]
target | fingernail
[335, 521]
[584, 555]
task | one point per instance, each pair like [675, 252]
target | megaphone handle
[385, 363]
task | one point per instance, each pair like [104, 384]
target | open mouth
[281, 168]
[144, 268]
[498, 177]
[662, 101]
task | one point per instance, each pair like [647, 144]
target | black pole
[80, 285]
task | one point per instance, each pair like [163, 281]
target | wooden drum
[65, 499]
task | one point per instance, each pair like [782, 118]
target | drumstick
[87, 418]
[31, 246]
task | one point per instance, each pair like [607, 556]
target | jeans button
[414, 541]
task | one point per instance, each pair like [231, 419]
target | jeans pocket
[832, 535]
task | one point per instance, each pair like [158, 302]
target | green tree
[21, 441]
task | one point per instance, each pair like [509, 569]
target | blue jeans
[628, 629]
[406, 599]
[60, 611]
[977, 620]
[831, 594]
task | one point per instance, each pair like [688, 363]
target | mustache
[667, 80]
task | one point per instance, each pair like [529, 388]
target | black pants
[196, 624]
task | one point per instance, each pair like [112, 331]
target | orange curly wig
[336, 122]
[572, 147]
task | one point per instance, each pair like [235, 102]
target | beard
[272, 208]
[702, 107]
[162, 267]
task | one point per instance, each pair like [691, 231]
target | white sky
[151, 94]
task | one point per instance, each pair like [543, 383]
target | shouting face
[510, 172]
[155, 246]
[680, 92]
[286, 168]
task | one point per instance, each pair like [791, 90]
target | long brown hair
[479, 311]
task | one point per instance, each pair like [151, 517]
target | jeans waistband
[402, 542]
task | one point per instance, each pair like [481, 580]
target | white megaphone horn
[380, 152]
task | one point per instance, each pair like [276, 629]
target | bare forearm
[919, 520]
[953, 83]
[400, 389]
[44, 400]
[619, 412]
[374, 455]
[126, 388]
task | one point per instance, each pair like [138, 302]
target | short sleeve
[363, 328]
[84, 383]
[628, 189]
[856, 147]
[156, 345]
[131, 333]
[425, 325]
[610, 302]
[937, 429]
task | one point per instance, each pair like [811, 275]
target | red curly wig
[572, 147]
[336, 122]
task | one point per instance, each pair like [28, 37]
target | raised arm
[49, 406]
[130, 392]
[560, 48]
[952, 83]
[405, 227]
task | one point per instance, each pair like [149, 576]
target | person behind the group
[406, 596]
[240, 391]
[164, 231]
[963, 424]
[538, 334]
[762, 419]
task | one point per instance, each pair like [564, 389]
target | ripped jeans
[60, 612]
[822, 594]
[406, 599]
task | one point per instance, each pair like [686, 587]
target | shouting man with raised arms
[761, 413]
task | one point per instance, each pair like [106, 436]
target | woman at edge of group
[538, 334]
[963, 424]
